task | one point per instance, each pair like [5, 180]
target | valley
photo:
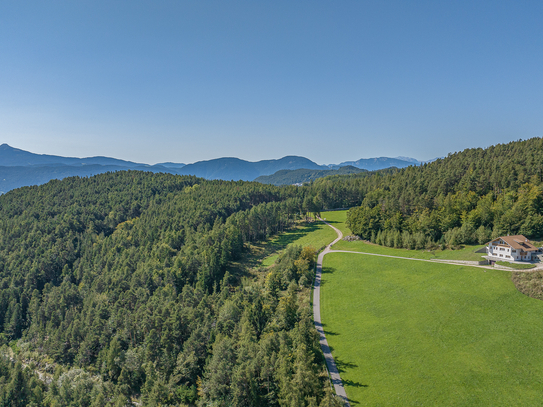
[140, 288]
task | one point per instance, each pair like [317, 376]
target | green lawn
[338, 218]
[515, 265]
[410, 333]
[466, 253]
[315, 234]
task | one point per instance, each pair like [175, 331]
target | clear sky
[332, 81]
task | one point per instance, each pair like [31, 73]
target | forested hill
[124, 288]
[290, 177]
[466, 197]
[127, 287]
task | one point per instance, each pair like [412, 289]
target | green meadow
[413, 333]
[338, 218]
[316, 234]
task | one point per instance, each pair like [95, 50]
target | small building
[511, 248]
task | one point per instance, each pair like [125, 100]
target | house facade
[511, 248]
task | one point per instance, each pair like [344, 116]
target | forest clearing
[428, 333]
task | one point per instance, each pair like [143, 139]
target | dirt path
[443, 261]
[330, 362]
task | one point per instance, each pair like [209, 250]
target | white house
[511, 248]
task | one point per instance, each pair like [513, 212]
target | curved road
[330, 362]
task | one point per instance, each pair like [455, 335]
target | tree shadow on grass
[327, 332]
[284, 239]
[326, 270]
[354, 384]
[276, 243]
[343, 365]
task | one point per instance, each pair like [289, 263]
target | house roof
[518, 242]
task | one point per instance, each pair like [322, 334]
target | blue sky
[333, 81]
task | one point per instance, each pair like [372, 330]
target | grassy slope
[338, 219]
[415, 333]
[315, 234]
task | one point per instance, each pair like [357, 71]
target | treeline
[468, 197]
[301, 176]
[121, 287]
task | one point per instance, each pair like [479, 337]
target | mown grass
[410, 333]
[515, 265]
[315, 234]
[338, 218]
[465, 253]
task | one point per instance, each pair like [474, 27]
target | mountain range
[22, 168]
[379, 163]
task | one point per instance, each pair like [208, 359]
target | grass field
[515, 265]
[338, 218]
[465, 253]
[315, 234]
[410, 333]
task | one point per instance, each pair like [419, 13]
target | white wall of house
[502, 250]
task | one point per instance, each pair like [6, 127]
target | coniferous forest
[127, 288]
[118, 286]
[466, 198]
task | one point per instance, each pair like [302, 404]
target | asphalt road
[330, 362]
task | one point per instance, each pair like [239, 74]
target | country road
[330, 362]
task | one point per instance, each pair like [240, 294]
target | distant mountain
[21, 168]
[299, 176]
[171, 165]
[237, 169]
[408, 159]
[373, 164]
[20, 176]
[10, 156]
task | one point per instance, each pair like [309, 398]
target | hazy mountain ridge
[22, 168]
[12, 177]
[231, 168]
[379, 163]
[10, 156]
